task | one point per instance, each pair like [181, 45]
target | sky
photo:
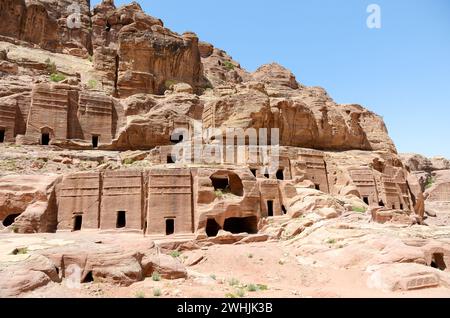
[400, 71]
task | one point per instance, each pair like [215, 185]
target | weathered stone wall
[48, 112]
[79, 195]
[95, 115]
[169, 198]
[122, 192]
[7, 120]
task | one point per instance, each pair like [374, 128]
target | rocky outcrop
[28, 203]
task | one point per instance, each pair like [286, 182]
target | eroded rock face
[28, 203]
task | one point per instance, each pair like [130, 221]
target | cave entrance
[253, 172]
[10, 219]
[283, 208]
[381, 203]
[212, 227]
[366, 200]
[266, 174]
[45, 139]
[280, 174]
[438, 261]
[170, 226]
[121, 219]
[241, 225]
[270, 208]
[89, 278]
[95, 140]
[401, 206]
[2, 135]
[77, 223]
[317, 186]
[227, 182]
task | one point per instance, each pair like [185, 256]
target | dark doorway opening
[88, 278]
[283, 208]
[266, 174]
[269, 208]
[401, 207]
[438, 261]
[2, 135]
[176, 138]
[121, 219]
[170, 159]
[10, 219]
[366, 200]
[95, 141]
[45, 139]
[393, 207]
[317, 186]
[221, 183]
[77, 223]
[227, 183]
[381, 203]
[253, 172]
[170, 226]
[212, 228]
[241, 225]
[280, 174]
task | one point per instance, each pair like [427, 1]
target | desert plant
[262, 287]
[228, 65]
[331, 241]
[57, 77]
[250, 255]
[128, 161]
[51, 66]
[359, 209]
[219, 193]
[213, 276]
[157, 292]
[169, 83]
[156, 277]
[140, 294]
[240, 292]
[252, 288]
[429, 183]
[175, 254]
[92, 84]
[233, 282]
[20, 251]
[90, 58]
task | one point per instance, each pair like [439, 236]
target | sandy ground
[229, 270]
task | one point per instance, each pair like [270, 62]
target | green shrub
[57, 77]
[157, 292]
[175, 254]
[90, 58]
[51, 66]
[156, 277]
[429, 183]
[140, 294]
[233, 282]
[92, 84]
[252, 288]
[169, 83]
[20, 251]
[128, 161]
[331, 241]
[240, 293]
[359, 209]
[228, 65]
[213, 276]
[219, 193]
[230, 295]
[262, 287]
[250, 255]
